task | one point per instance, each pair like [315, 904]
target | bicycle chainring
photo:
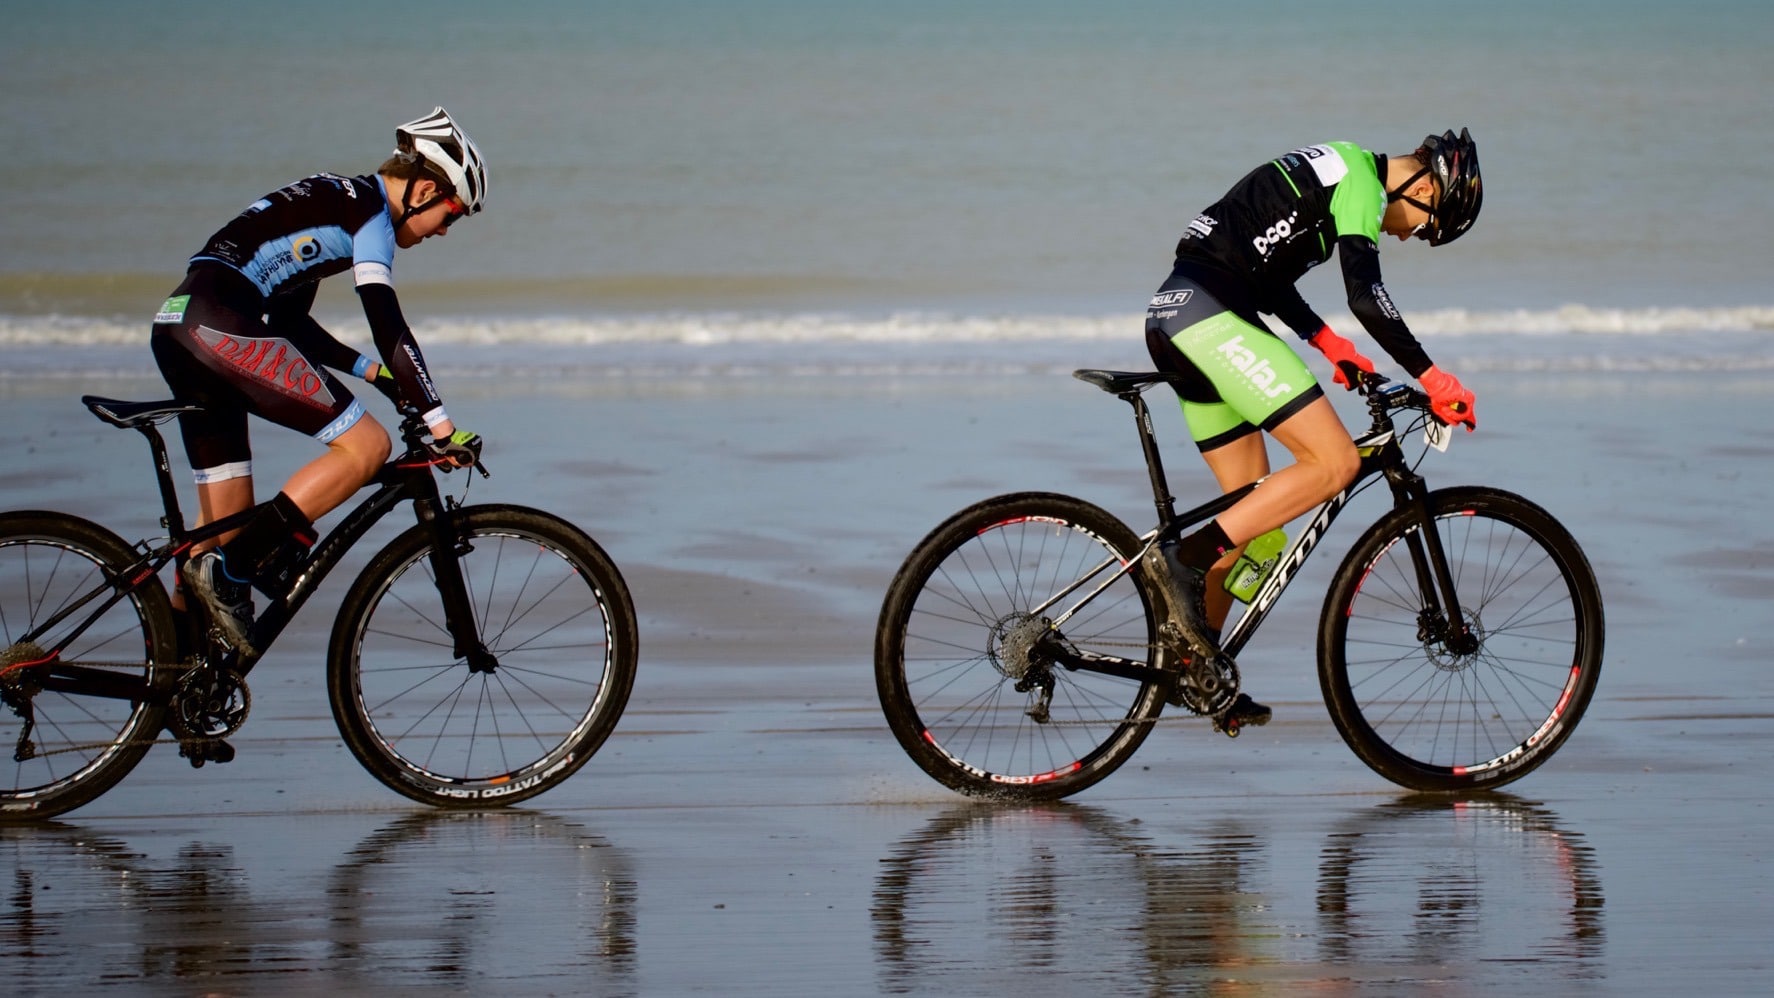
[211, 703]
[1205, 688]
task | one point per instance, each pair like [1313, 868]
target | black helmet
[1454, 164]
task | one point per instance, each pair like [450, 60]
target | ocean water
[907, 184]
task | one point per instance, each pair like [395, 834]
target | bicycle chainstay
[217, 694]
[1184, 692]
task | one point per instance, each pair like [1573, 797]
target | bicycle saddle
[133, 414]
[1122, 382]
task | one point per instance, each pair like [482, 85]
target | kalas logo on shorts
[273, 362]
[1261, 376]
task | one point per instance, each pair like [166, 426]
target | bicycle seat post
[1161, 497]
[172, 518]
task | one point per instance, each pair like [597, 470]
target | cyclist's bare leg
[317, 488]
[1325, 462]
[350, 461]
[1234, 465]
[225, 498]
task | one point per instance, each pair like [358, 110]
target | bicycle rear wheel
[956, 634]
[1433, 718]
[80, 745]
[549, 605]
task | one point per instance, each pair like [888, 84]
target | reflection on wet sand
[1495, 879]
[435, 899]
[994, 899]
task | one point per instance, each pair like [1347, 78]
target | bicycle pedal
[1243, 713]
[204, 750]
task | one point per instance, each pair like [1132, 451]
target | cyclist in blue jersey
[236, 337]
[1243, 256]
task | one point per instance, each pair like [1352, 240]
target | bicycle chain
[1188, 714]
[172, 717]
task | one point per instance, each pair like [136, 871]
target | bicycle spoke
[547, 691]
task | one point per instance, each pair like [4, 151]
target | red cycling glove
[1343, 356]
[1448, 399]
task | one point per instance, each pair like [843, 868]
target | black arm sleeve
[1291, 309]
[400, 352]
[287, 316]
[1371, 304]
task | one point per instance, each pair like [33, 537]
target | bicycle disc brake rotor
[211, 705]
[1448, 658]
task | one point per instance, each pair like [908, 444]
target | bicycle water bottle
[1255, 564]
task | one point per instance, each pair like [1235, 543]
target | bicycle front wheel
[553, 611]
[79, 743]
[1431, 717]
[956, 662]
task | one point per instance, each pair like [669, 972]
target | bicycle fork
[1441, 618]
[448, 545]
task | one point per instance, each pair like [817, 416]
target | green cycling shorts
[1248, 379]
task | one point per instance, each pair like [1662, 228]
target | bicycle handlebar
[415, 433]
[1386, 396]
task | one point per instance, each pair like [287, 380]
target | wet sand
[752, 828]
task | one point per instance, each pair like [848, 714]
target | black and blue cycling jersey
[309, 230]
[237, 336]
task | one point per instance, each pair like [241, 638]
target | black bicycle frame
[1380, 454]
[407, 477]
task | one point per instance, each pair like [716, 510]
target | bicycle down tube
[1380, 455]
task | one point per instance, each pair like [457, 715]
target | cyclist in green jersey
[1242, 256]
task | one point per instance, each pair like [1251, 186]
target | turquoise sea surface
[907, 172]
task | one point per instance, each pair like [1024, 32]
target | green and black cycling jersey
[1284, 218]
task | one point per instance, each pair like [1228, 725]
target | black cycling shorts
[232, 364]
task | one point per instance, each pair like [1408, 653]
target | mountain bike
[480, 658]
[1025, 647]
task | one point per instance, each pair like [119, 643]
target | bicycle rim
[79, 746]
[557, 619]
[1431, 718]
[953, 649]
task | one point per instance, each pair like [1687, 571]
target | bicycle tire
[1432, 720]
[946, 678]
[548, 603]
[83, 745]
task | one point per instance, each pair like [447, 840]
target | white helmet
[439, 141]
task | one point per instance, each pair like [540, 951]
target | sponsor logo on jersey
[1164, 299]
[1201, 227]
[173, 309]
[271, 361]
[1257, 371]
[1384, 300]
[1326, 164]
[306, 248]
[1276, 234]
